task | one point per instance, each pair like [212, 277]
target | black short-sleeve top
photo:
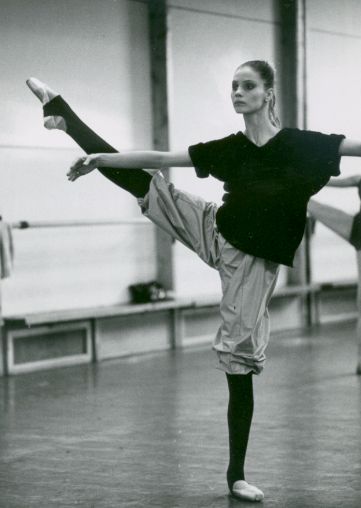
[267, 187]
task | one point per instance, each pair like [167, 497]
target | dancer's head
[253, 89]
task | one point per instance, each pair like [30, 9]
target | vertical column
[2, 359]
[292, 73]
[157, 10]
[358, 329]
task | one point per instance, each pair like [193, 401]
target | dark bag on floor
[147, 292]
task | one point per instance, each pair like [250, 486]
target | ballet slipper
[42, 91]
[246, 492]
[45, 94]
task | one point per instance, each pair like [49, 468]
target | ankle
[233, 475]
[246, 492]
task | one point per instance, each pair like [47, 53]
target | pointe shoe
[45, 94]
[246, 492]
[42, 91]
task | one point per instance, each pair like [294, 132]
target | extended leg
[59, 115]
[349, 228]
[187, 218]
[337, 220]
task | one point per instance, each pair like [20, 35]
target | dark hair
[267, 74]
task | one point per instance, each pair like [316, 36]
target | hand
[82, 166]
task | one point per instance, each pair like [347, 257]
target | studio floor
[150, 431]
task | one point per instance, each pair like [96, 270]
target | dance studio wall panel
[96, 54]
[260, 10]
[334, 105]
[207, 41]
[123, 336]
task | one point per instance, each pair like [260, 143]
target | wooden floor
[151, 431]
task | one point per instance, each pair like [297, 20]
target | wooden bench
[337, 301]
[43, 340]
[96, 333]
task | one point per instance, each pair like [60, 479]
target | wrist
[101, 159]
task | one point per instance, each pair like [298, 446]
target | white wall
[208, 40]
[95, 52]
[334, 105]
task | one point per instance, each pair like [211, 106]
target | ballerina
[269, 175]
[348, 227]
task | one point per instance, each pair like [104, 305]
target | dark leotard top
[267, 188]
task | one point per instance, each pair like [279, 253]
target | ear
[269, 95]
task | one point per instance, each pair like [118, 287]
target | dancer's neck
[259, 128]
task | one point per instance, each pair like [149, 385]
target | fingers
[81, 166]
[78, 163]
[72, 176]
[74, 171]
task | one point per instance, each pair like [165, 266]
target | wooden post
[157, 10]
[2, 346]
[292, 74]
[358, 328]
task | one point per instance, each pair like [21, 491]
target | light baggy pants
[247, 281]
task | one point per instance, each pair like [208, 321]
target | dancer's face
[248, 91]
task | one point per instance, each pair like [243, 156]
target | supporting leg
[248, 283]
[240, 412]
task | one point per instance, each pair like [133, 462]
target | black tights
[137, 181]
[240, 412]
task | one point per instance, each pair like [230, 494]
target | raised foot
[246, 492]
[42, 91]
[45, 94]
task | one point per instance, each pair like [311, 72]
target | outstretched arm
[348, 181]
[131, 160]
[350, 147]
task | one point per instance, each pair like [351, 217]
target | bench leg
[358, 329]
[177, 332]
[358, 367]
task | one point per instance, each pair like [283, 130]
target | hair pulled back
[267, 74]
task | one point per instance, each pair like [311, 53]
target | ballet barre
[23, 224]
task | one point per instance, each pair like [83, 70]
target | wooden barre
[80, 223]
